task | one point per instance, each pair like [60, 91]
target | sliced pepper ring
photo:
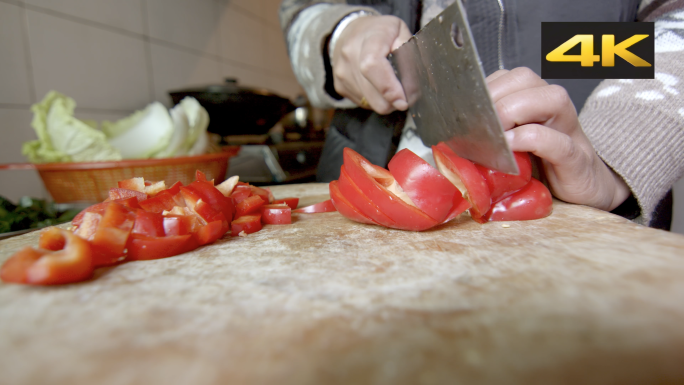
[465, 176]
[358, 200]
[73, 263]
[345, 207]
[429, 190]
[376, 183]
[501, 184]
[534, 201]
[321, 207]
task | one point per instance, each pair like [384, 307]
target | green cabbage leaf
[62, 137]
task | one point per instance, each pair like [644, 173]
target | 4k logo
[610, 49]
[626, 51]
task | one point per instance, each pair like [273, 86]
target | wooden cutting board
[581, 297]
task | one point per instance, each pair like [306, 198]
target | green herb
[31, 213]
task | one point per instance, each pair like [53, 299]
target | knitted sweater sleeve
[637, 126]
[307, 25]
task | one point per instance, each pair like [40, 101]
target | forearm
[290, 9]
[306, 33]
[637, 129]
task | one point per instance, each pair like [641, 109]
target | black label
[598, 50]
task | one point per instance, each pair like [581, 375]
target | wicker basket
[90, 182]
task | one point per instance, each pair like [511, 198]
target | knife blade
[445, 87]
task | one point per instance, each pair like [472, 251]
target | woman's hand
[541, 119]
[361, 71]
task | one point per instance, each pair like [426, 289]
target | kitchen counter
[582, 296]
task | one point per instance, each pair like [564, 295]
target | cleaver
[444, 83]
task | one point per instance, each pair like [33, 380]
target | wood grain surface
[580, 297]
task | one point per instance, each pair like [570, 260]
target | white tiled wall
[116, 56]
[97, 67]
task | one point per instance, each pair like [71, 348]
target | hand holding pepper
[541, 119]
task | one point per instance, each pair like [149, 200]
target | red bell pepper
[148, 223]
[175, 225]
[276, 214]
[247, 224]
[240, 193]
[226, 187]
[376, 183]
[501, 184]
[72, 263]
[533, 201]
[196, 206]
[175, 188]
[345, 207]
[292, 202]
[322, 207]
[206, 212]
[144, 220]
[142, 248]
[161, 202]
[122, 193]
[358, 200]
[99, 208]
[87, 227]
[212, 231]
[249, 205]
[131, 202]
[96, 208]
[463, 174]
[213, 197]
[155, 188]
[191, 222]
[51, 239]
[459, 207]
[429, 190]
[135, 184]
[202, 177]
[265, 194]
[190, 196]
[109, 241]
